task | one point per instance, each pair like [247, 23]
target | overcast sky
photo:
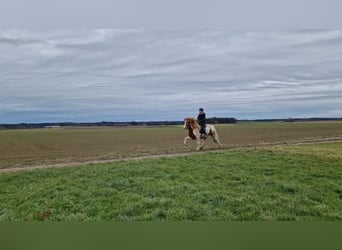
[172, 14]
[126, 74]
[124, 60]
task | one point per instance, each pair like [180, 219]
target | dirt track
[158, 156]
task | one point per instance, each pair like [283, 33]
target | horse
[191, 124]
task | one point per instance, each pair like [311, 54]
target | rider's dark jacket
[201, 121]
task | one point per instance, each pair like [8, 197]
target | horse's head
[190, 123]
[186, 123]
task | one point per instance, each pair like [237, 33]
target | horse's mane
[193, 122]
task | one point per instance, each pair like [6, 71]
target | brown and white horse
[191, 124]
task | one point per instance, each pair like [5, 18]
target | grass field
[281, 181]
[65, 145]
[272, 183]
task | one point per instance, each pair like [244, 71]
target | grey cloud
[16, 42]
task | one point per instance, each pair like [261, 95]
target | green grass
[279, 183]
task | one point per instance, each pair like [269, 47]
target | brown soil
[170, 155]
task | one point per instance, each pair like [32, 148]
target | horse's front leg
[199, 144]
[202, 144]
[186, 140]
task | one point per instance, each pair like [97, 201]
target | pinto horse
[191, 124]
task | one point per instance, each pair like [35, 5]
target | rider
[201, 120]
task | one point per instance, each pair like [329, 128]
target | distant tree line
[87, 124]
[212, 120]
[290, 119]
[216, 120]
[104, 123]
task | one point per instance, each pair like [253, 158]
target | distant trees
[211, 120]
[216, 120]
